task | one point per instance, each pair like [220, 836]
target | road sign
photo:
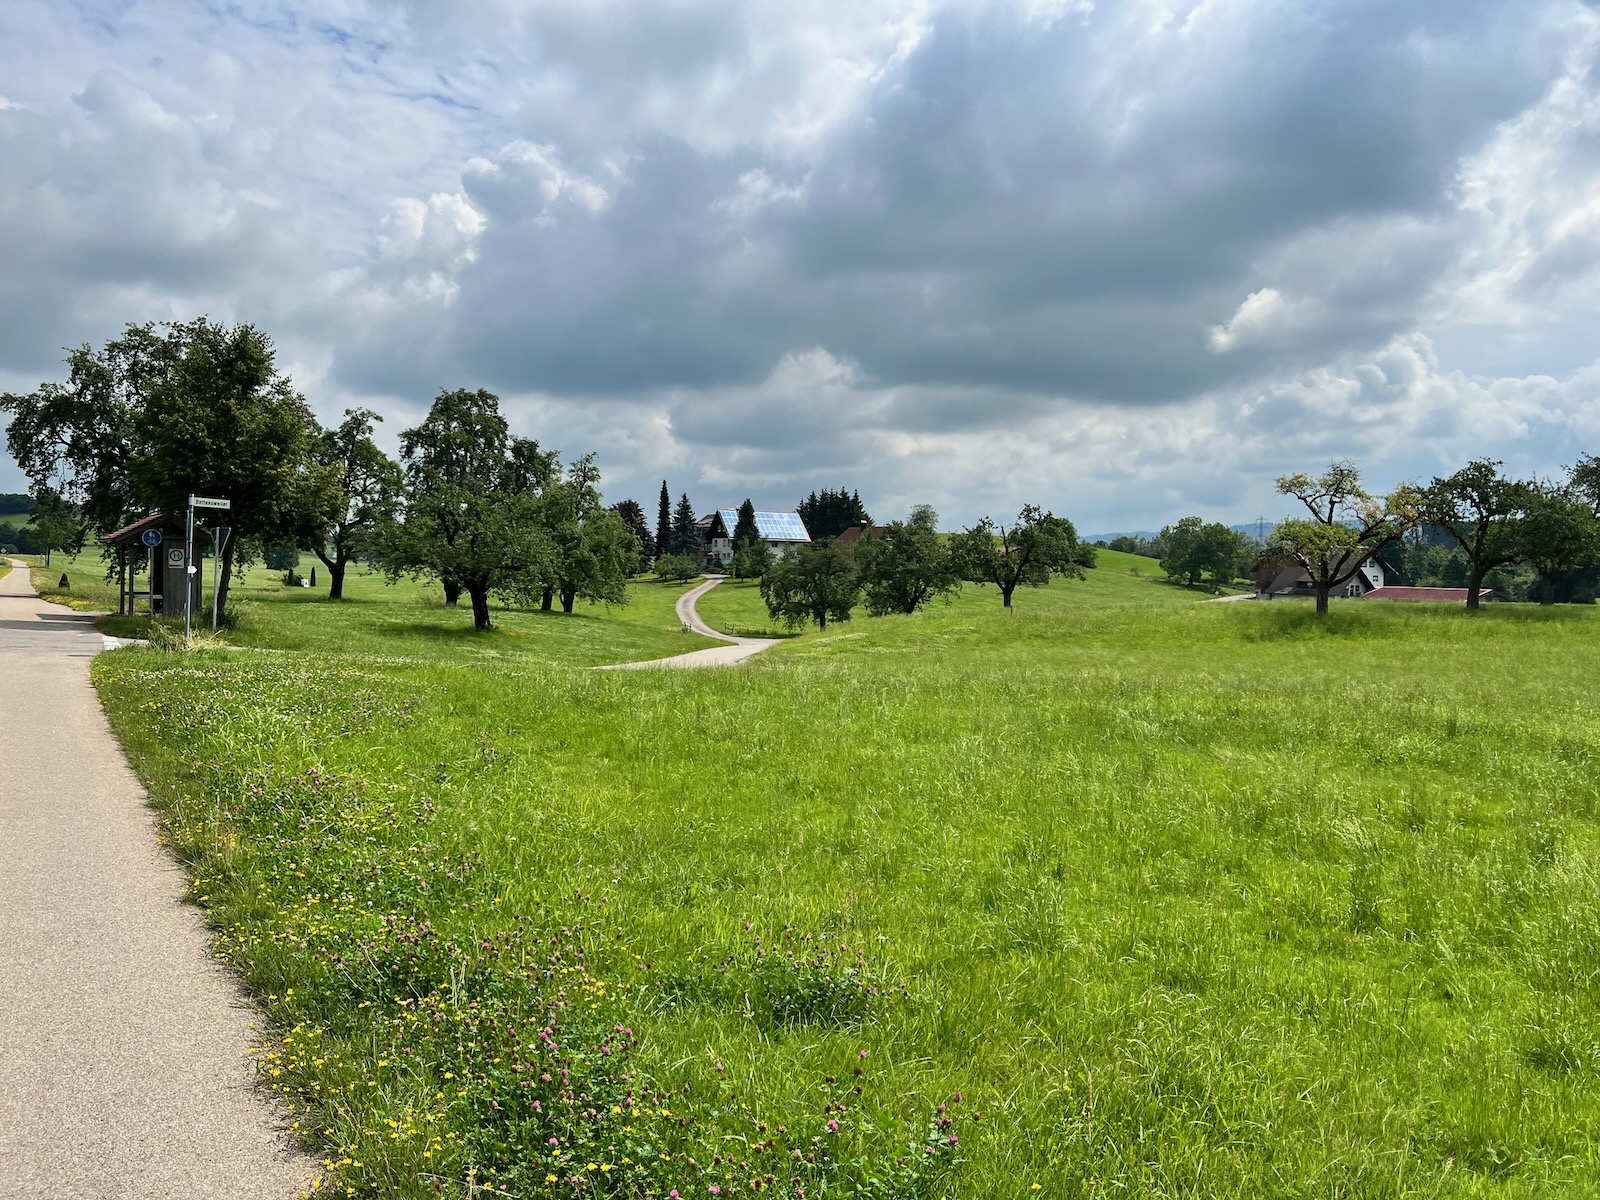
[151, 538]
[175, 556]
[208, 502]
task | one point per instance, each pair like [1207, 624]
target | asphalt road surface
[123, 1064]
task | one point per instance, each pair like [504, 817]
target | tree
[1192, 548]
[685, 536]
[753, 559]
[1558, 535]
[1023, 553]
[904, 565]
[632, 514]
[592, 551]
[676, 568]
[828, 514]
[664, 521]
[1348, 524]
[752, 555]
[1481, 510]
[471, 512]
[368, 485]
[173, 409]
[818, 582]
[57, 524]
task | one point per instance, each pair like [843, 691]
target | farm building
[782, 531]
[1276, 579]
[1445, 595]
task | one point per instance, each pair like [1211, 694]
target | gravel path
[123, 1065]
[737, 650]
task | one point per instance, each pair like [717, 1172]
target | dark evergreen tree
[664, 521]
[745, 529]
[684, 538]
[828, 514]
[632, 514]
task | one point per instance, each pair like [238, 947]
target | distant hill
[15, 502]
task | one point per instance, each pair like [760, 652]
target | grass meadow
[1117, 895]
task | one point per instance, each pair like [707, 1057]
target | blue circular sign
[151, 537]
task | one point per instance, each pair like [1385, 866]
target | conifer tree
[685, 536]
[664, 521]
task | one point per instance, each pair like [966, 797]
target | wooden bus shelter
[153, 546]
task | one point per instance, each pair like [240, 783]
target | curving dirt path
[123, 1064]
[736, 651]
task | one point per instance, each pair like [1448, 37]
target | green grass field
[1179, 899]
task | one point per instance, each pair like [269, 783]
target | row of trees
[200, 407]
[1552, 525]
[900, 567]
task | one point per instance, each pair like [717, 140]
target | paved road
[737, 650]
[123, 1071]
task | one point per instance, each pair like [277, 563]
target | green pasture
[1181, 900]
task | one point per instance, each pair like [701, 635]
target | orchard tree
[904, 565]
[592, 552]
[471, 511]
[817, 582]
[57, 524]
[1347, 525]
[367, 490]
[1558, 535]
[1482, 512]
[1023, 553]
[1192, 548]
[169, 410]
[632, 514]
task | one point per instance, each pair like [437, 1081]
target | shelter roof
[131, 532]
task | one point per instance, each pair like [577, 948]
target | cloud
[1121, 258]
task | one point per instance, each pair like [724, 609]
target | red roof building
[1442, 595]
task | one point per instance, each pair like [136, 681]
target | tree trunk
[452, 591]
[1322, 599]
[336, 566]
[568, 595]
[225, 576]
[47, 554]
[1005, 593]
[547, 600]
[480, 607]
[1547, 591]
[1474, 582]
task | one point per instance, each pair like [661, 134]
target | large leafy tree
[172, 409]
[1558, 535]
[592, 551]
[818, 582]
[472, 510]
[57, 524]
[1347, 524]
[904, 565]
[828, 513]
[632, 514]
[1194, 548]
[1482, 512]
[1023, 553]
[367, 490]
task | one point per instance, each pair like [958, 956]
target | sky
[1129, 260]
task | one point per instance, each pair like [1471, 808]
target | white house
[782, 531]
[1294, 580]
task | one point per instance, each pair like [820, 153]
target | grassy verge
[1180, 899]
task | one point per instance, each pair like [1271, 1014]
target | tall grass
[1182, 900]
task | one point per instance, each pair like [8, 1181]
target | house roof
[154, 521]
[856, 532]
[1449, 595]
[773, 527]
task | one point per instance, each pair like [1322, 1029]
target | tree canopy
[1023, 553]
[904, 565]
[1482, 511]
[816, 582]
[1194, 548]
[367, 487]
[1347, 525]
